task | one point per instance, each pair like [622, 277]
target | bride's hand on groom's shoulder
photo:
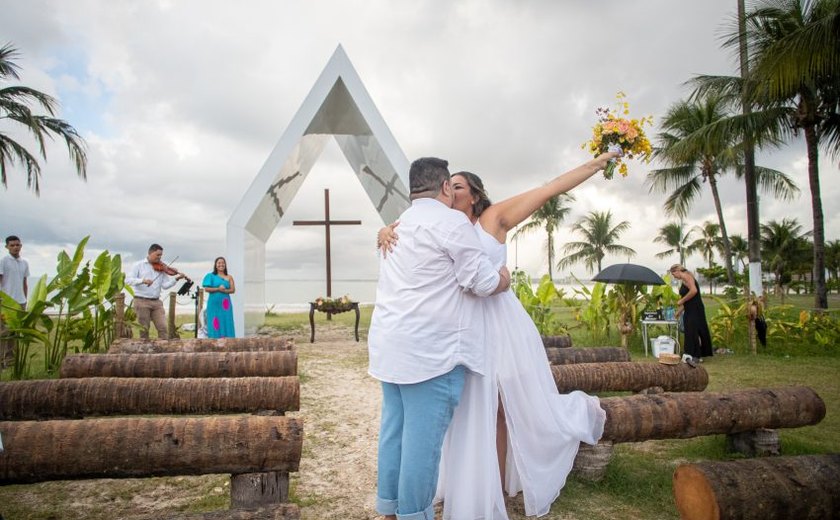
[387, 238]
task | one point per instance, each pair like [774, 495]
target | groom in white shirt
[427, 328]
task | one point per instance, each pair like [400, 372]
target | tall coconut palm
[794, 62]
[708, 242]
[16, 104]
[673, 235]
[780, 243]
[832, 258]
[691, 161]
[740, 250]
[548, 217]
[600, 238]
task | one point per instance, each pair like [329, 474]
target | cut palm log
[628, 377]
[37, 451]
[557, 341]
[683, 415]
[778, 488]
[77, 398]
[570, 356]
[181, 364]
[160, 346]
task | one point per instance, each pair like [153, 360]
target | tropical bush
[75, 309]
[539, 304]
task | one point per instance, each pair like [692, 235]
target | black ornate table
[354, 306]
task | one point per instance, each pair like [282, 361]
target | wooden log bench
[569, 356]
[557, 341]
[777, 488]
[160, 346]
[38, 451]
[628, 377]
[685, 415]
[181, 364]
[95, 396]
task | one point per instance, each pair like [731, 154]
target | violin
[169, 270]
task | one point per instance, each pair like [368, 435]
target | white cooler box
[662, 344]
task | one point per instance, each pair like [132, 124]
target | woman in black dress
[698, 340]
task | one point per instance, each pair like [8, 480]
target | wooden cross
[327, 223]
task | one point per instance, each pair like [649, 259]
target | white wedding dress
[545, 428]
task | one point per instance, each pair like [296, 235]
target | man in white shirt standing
[148, 282]
[427, 328]
[14, 271]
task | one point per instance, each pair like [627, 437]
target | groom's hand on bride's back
[504, 280]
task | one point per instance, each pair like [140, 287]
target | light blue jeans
[414, 421]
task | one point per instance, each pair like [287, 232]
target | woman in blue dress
[219, 286]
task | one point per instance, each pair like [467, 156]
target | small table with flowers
[330, 308]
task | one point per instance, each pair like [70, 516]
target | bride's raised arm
[503, 216]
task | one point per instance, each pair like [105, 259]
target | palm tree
[691, 161]
[793, 83]
[15, 105]
[548, 217]
[740, 250]
[672, 235]
[709, 242]
[600, 238]
[780, 243]
[832, 258]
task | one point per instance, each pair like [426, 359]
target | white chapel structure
[338, 106]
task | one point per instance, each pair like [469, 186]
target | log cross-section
[569, 356]
[684, 415]
[628, 377]
[179, 364]
[776, 488]
[77, 398]
[37, 451]
[160, 346]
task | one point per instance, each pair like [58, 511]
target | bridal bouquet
[613, 133]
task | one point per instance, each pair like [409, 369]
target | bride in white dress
[530, 442]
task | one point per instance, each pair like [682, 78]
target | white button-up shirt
[427, 318]
[144, 270]
[14, 272]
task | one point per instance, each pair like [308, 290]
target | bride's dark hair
[477, 189]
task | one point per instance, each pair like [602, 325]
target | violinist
[148, 277]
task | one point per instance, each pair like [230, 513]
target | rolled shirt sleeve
[473, 269]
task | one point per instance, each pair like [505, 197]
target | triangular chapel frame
[339, 106]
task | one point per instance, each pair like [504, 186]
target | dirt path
[340, 407]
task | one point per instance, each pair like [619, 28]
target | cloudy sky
[181, 102]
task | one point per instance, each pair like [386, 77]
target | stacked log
[76, 398]
[778, 488]
[628, 377]
[161, 346]
[557, 341]
[180, 364]
[684, 415]
[569, 356]
[37, 451]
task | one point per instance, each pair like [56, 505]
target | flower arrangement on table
[333, 305]
[619, 134]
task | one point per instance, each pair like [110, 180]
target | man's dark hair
[11, 238]
[155, 247]
[427, 175]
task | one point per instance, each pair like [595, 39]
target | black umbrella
[628, 273]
